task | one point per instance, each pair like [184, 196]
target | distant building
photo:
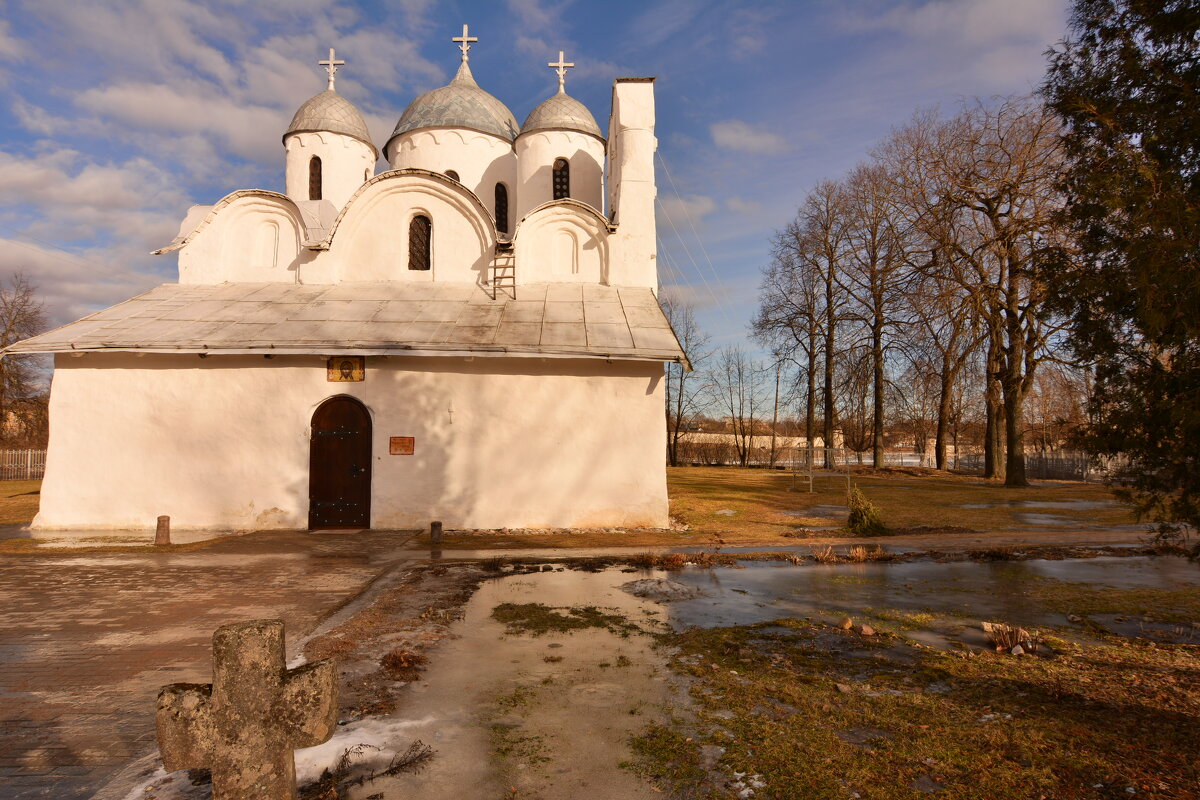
[472, 336]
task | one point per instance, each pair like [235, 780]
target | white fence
[22, 465]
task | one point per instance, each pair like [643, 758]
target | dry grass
[18, 501]
[765, 507]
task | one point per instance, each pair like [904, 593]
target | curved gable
[369, 240]
[249, 236]
[564, 241]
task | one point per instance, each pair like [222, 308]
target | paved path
[87, 640]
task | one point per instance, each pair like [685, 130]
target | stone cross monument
[245, 725]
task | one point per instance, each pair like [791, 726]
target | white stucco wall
[631, 184]
[253, 238]
[223, 442]
[346, 164]
[536, 154]
[480, 160]
[370, 241]
[562, 242]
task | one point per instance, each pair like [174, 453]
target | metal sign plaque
[402, 445]
[344, 369]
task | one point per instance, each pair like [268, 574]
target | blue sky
[119, 115]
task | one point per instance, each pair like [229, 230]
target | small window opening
[366, 175]
[314, 178]
[420, 234]
[501, 208]
[452, 175]
[562, 178]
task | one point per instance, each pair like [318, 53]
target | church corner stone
[245, 725]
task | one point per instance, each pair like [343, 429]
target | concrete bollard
[435, 532]
[162, 534]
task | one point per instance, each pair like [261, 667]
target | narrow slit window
[501, 208]
[562, 178]
[420, 235]
[314, 178]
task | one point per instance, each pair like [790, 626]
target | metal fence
[22, 465]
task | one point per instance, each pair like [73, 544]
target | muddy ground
[511, 679]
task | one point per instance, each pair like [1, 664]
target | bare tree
[874, 275]
[737, 389]
[21, 377]
[789, 314]
[982, 186]
[685, 388]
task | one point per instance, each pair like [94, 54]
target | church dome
[460, 104]
[561, 112]
[331, 112]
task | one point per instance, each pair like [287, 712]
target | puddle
[823, 512]
[764, 591]
[1064, 505]
[1043, 519]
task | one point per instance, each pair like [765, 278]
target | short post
[162, 534]
[435, 532]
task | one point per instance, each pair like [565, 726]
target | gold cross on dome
[331, 64]
[561, 66]
[464, 42]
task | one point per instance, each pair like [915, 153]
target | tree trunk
[993, 445]
[1014, 402]
[943, 418]
[827, 389]
[877, 426]
[810, 400]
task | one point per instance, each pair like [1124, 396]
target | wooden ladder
[504, 269]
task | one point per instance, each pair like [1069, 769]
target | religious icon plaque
[402, 445]
[346, 369]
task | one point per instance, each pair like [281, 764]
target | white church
[471, 336]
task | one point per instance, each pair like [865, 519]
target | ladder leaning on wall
[503, 269]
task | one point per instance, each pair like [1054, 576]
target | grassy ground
[801, 709]
[18, 501]
[756, 506]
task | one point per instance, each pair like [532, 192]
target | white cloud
[996, 45]
[11, 48]
[740, 205]
[737, 135]
[679, 210]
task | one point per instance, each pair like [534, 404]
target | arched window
[420, 235]
[452, 175]
[314, 178]
[562, 178]
[366, 175]
[501, 208]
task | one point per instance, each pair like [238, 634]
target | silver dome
[460, 104]
[561, 112]
[329, 111]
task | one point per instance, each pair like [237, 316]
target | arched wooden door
[339, 465]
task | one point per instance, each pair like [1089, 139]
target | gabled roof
[561, 320]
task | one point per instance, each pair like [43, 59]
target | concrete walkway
[87, 640]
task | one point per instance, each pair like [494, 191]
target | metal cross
[561, 66]
[464, 42]
[331, 65]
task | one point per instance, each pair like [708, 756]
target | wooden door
[339, 467]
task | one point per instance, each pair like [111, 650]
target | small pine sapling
[864, 516]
